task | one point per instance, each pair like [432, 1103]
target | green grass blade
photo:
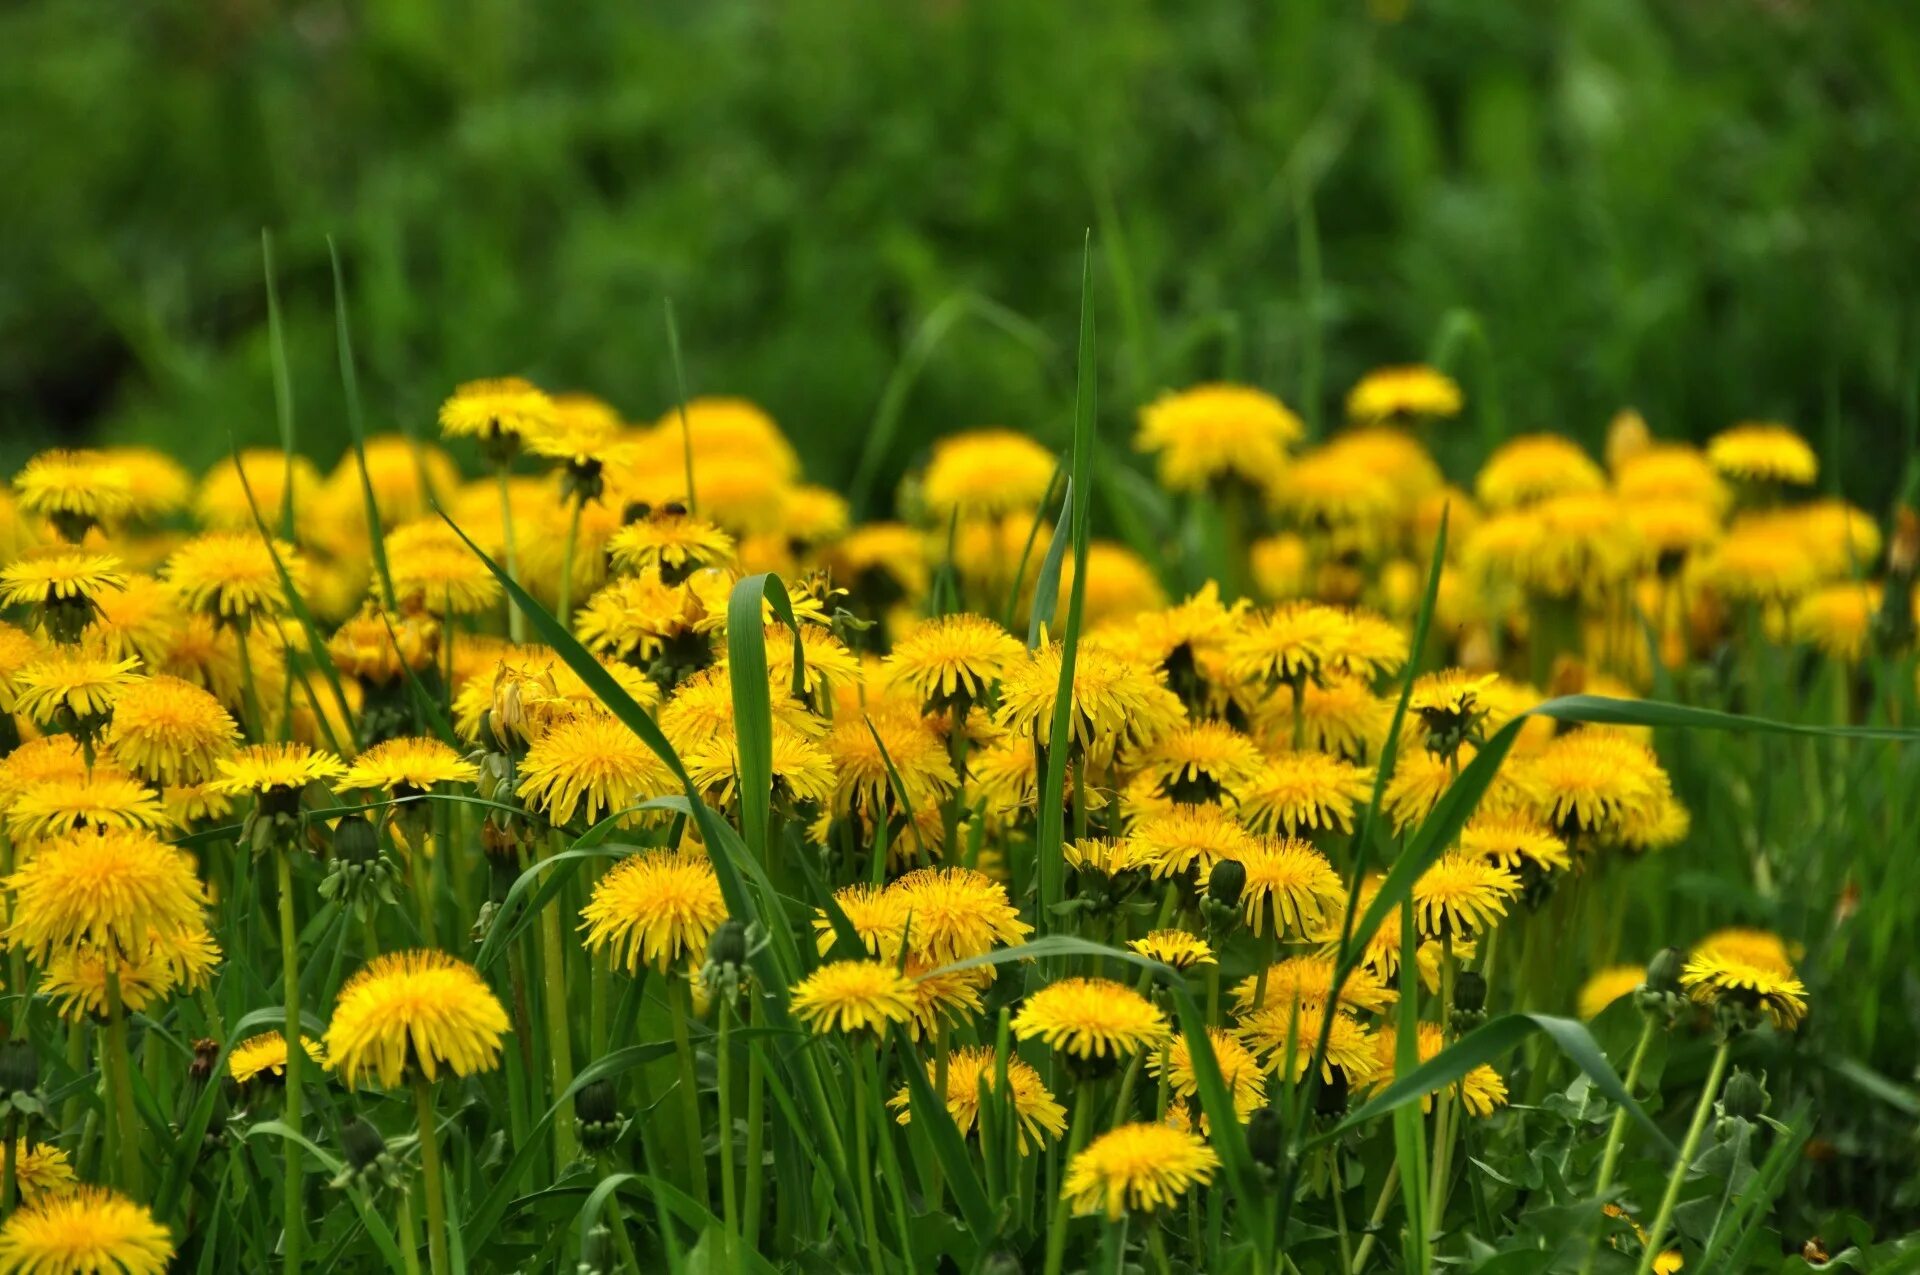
[1046, 585]
[951, 1149]
[680, 390]
[357, 425]
[753, 698]
[282, 380]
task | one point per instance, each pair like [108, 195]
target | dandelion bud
[20, 1078]
[206, 1051]
[356, 840]
[1663, 971]
[1265, 1136]
[596, 1252]
[1746, 1095]
[1469, 993]
[1226, 881]
[597, 1107]
[1002, 1262]
[367, 1160]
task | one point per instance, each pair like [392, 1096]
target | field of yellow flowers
[1396, 870]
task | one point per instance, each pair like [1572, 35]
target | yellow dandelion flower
[1597, 783]
[1325, 491]
[414, 1009]
[1174, 947]
[868, 752]
[1608, 986]
[1585, 546]
[189, 804]
[434, 571]
[76, 978]
[49, 577]
[266, 1055]
[1449, 701]
[1144, 1168]
[409, 765]
[1365, 646]
[1750, 946]
[114, 889]
[1238, 1067]
[1308, 979]
[1340, 716]
[1298, 792]
[1516, 842]
[956, 913]
[48, 759]
[88, 1228]
[1482, 1090]
[496, 411]
[1421, 778]
[17, 650]
[1461, 895]
[1286, 643]
[882, 563]
[1532, 467]
[826, 661]
[1719, 977]
[952, 660]
[75, 490]
[802, 769]
[101, 798]
[230, 575]
[1672, 474]
[718, 426]
[853, 996]
[72, 683]
[1213, 432]
[1759, 561]
[1107, 857]
[654, 908]
[671, 542]
[41, 1170]
[1196, 761]
[1409, 393]
[591, 764]
[170, 731]
[1672, 531]
[974, 1067]
[944, 999]
[379, 650]
[222, 502]
[1091, 1018]
[584, 432]
[878, 916]
[1189, 839]
[137, 621]
[1290, 886]
[1763, 452]
[986, 472]
[1285, 1034]
[1113, 701]
[266, 770]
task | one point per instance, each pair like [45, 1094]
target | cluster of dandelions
[356, 686]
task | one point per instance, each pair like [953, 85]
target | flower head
[1197, 760]
[64, 586]
[1238, 1067]
[1516, 842]
[72, 684]
[434, 571]
[498, 412]
[1608, 986]
[1290, 886]
[952, 660]
[411, 1009]
[1289, 643]
[1481, 1090]
[986, 472]
[170, 731]
[379, 649]
[86, 1229]
[113, 889]
[974, 1067]
[1309, 979]
[952, 914]
[1113, 701]
[853, 996]
[671, 543]
[1602, 784]
[1187, 839]
[654, 908]
[231, 576]
[100, 798]
[76, 978]
[1297, 792]
[408, 765]
[75, 489]
[1461, 895]
[1143, 1167]
[1177, 948]
[1721, 978]
[1533, 467]
[592, 764]
[1091, 1018]
[1763, 451]
[1287, 1032]
[42, 1170]
[1212, 432]
[266, 1055]
[262, 770]
[1415, 392]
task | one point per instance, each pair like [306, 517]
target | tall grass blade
[357, 425]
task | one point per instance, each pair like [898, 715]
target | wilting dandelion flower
[1091, 1018]
[1177, 948]
[1481, 1090]
[231, 576]
[1040, 1119]
[1409, 393]
[1461, 895]
[1139, 1167]
[1714, 978]
[411, 1010]
[654, 908]
[1212, 432]
[1763, 451]
[952, 660]
[592, 764]
[266, 1055]
[853, 996]
[1608, 986]
[86, 1229]
[170, 731]
[1290, 885]
[114, 889]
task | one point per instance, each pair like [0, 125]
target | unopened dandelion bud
[356, 840]
[598, 1110]
[367, 1160]
[1469, 1001]
[1663, 971]
[1265, 1137]
[20, 1078]
[1745, 1096]
[1226, 882]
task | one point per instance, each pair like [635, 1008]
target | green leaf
[356, 424]
[948, 1145]
[1641, 712]
[1489, 1042]
[680, 390]
[753, 697]
[376, 1226]
[1046, 585]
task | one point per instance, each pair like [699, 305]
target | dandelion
[408, 766]
[1285, 1035]
[853, 996]
[414, 1013]
[1309, 980]
[1288, 643]
[1410, 393]
[1209, 433]
[1290, 885]
[498, 412]
[1528, 469]
[802, 770]
[671, 543]
[1763, 452]
[592, 765]
[1189, 840]
[986, 472]
[72, 686]
[1091, 1018]
[1298, 792]
[654, 908]
[379, 649]
[75, 490]
[1608, 986]
[1040, 1118]
[273, 771]
[231, 576]
[1481, 1090]
[1717, 978]
[114, 889]
[1752, 947]
[1238, 1067]
[1177, 948]
[1142, 1167]
[1324, 491]
[1338, 716]
[170, 731]
[1196, 761]
[433, 570]
[222, 500]
[953, 914]
[86, 1229]
[878, 917]
[1112, 702]
[101, 798]
[949, 662]
[1461, 895]
[266, 1056]
[1365, 646]
[1595, 783]
[77, 979]
[1515, 842]
[65, 587]
[41, 1170]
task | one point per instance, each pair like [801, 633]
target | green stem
[1616, 1134]
[409, 1237]
[1380, 1206]
[1117, 1246]
[723, 1075]
[249, 693]
[756, 1132]
[1083, 1104]
[680, 1010]
[123, 1123]
[566, 1145]
[565, 612]
[516, 622]
[430, 1180]
[863, 1159]
[1657, 1233]
[295, 1197]
[1443, 1104]
[9, 1179]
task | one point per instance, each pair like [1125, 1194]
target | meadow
[1027, 638]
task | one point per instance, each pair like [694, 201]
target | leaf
[356, 424]
[1485, 1044]
[1641, 712]
[948, 1145]
[1046, 585]
[753, 698]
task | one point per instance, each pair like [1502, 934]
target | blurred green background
[1701, 207]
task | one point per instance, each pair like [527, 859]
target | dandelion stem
[566, 1145]
[1443, 1128]
[122, 1127]
[430, 1179]
[1380, 1207]
[1611, 1155]
[723, 1093]
[295, 1221]
[1084, 1101]
[564, 613]
[680, 1010]
[756, 1122]
[1657, 1233]
[863, 1156]
[409, 1234]
[9, 1180]
[1117, 1245]
[516, 622]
